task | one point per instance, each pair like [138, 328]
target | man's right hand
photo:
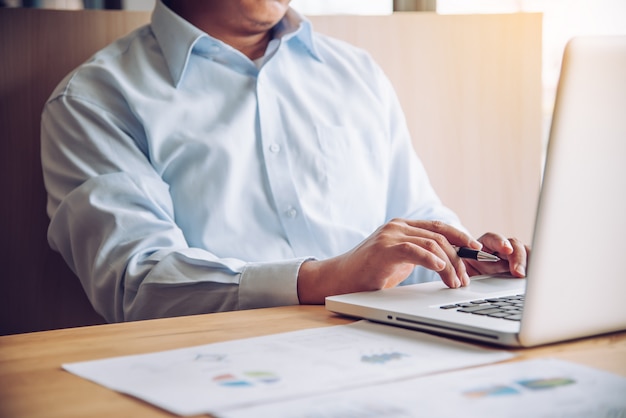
[386, 258]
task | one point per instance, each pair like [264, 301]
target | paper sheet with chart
[533, 388]
[217, 377]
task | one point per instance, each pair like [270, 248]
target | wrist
[310, 289]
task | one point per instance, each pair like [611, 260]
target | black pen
[465, 252]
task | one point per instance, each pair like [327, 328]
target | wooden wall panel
[470, 86]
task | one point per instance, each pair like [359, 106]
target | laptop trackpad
[496, 284]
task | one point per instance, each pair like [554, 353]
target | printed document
[533, 388]
[217, 377]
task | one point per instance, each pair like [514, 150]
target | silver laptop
[576, 277]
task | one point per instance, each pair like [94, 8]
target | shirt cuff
[265, 285]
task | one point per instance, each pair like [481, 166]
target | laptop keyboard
[505, 307]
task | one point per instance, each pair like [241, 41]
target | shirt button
[291, 213]
[275, 148]
[215, 48]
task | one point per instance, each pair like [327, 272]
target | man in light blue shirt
[227, 157]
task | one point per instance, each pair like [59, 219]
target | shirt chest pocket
[355, 162]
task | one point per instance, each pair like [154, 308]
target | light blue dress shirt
[184, 178]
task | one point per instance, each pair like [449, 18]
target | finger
[454, 235]
[427, 253]
[446, 237]
[415, 252]
[481, 267]
[496, 243]
[457, 264]
[518, 258]
[433, 245]
[453, 273]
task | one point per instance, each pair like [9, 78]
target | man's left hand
[512, 252]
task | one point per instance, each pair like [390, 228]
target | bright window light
[357, 7]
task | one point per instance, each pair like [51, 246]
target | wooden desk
[32, 383]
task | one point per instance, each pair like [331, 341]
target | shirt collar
[294, 25]
[177, 37]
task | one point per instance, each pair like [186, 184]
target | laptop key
[499, 314]
[487, 311]
[505, 307]
[474, 309]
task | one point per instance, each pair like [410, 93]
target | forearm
[135, 263]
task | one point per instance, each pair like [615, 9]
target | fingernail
[457, 283]
[521, 270]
